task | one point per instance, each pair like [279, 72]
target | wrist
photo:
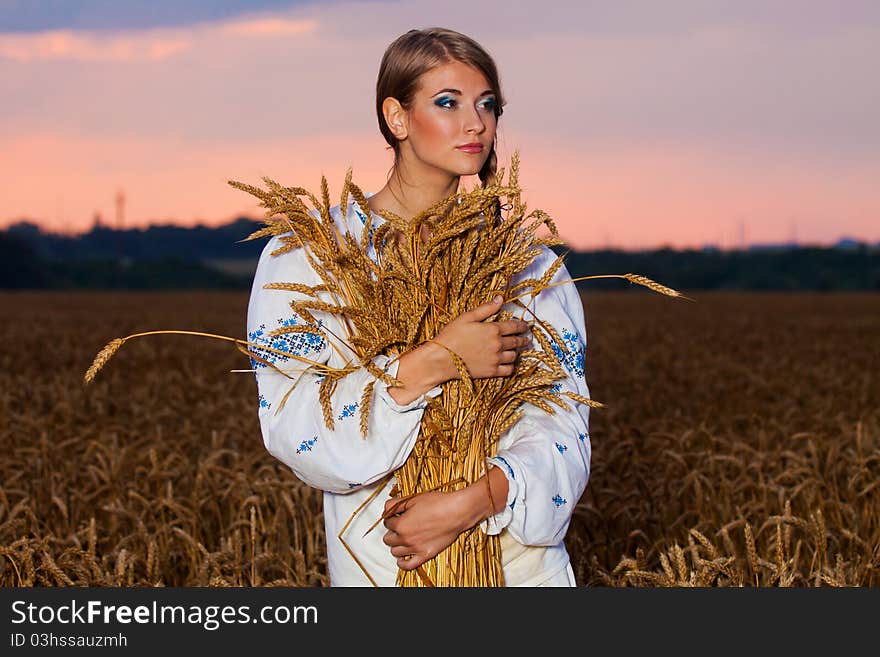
[418, 374]
[439, 363]
[473, 505]
[477, 504]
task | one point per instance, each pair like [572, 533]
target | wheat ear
[103, 356]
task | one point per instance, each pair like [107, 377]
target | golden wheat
[444, 261]
[719, 388]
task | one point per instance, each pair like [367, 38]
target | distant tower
[120, 219]
[120, 209]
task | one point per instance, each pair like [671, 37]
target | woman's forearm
[477, 504]
[421, 369]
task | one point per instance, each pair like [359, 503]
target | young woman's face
[453, 107]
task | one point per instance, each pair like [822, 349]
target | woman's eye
[489, 104]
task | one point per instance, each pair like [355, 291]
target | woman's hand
[487, 348]
[426, 524]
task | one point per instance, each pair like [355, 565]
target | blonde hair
[418, 51]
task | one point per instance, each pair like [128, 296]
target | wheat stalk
[113, 346]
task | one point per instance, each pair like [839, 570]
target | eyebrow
[457, 91]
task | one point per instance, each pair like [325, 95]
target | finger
[391, 523]
[513, 326]
[392, 539]
[395, 502]
[511, 342]
[485, 310]
[507, 357]
[413, 560]
[410, 562]
[395, 506]
[401, 550]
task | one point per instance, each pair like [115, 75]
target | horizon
[841, 242]
[638, 126]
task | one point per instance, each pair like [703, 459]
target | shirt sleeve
[546, 458]
[338, 460]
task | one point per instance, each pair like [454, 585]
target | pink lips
[471, 148]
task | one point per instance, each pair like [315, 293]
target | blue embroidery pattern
[353, 485]
[561, 448]
[555, 389]
[504, 461]
[371, 248]
[371, 251]
[512, 503]
[306, 445]
[559, 501]
[299, 344]
[572, 357]
[264, 403]
[583, 436]
[347, 411]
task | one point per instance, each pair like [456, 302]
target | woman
[438, 101]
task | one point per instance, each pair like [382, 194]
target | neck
[408, 192]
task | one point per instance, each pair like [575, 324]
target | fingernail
[498, 298]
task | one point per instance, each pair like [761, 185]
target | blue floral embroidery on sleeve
[264, 403]
[561, 448]
[512, 476]
[559, 501]
[509, 469]
[583, 436]
[307, 445]
[571, 354]
[347, 411]
[299, 344]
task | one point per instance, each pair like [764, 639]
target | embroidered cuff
[495, 524]
[381, 388]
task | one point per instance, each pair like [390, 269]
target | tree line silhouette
[175, 257]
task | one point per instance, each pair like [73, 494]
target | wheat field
[740, 445]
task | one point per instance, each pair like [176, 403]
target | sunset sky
[639, 123]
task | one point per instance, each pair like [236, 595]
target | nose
[474, 122]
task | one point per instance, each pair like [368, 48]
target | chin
[468, 170]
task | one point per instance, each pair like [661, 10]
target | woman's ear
[395, 117]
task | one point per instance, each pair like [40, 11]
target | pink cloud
[263, 27]
[88, 47]
[137, 45]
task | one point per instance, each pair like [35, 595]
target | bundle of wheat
[393, 303]
[419, 281]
